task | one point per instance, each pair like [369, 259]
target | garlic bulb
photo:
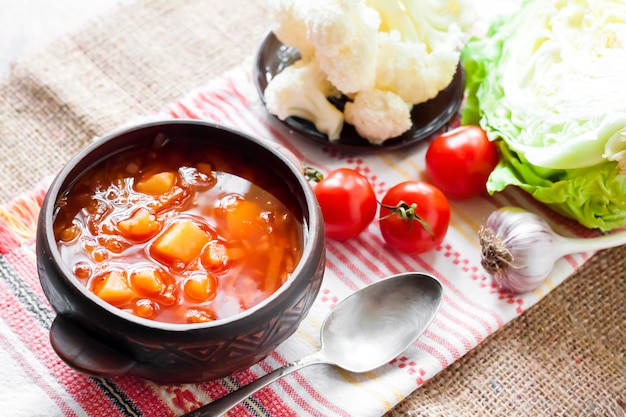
[519, 249]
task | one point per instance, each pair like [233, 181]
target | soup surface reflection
[178, 234]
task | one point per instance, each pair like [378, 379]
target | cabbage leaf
[549, 85]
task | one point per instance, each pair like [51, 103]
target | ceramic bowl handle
[84, 353]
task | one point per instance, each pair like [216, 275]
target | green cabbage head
[549, 85]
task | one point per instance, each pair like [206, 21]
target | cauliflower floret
[434, 23]
[378, 115]
[340, 33]
[407, 69]
[418, 45]
[302, 90]
[344, 35]
[288, 19]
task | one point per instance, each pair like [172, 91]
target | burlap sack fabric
[564, 357]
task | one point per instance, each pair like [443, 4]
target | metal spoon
[364, 331]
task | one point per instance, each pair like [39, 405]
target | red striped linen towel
[35, 382]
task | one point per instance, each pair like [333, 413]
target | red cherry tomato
[414, 217]
[459, 162]
[348, 203]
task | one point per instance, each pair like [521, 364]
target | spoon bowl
[377, 323]
[365, 331]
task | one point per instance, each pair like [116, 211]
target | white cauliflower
[289, 25]
[378, 53]
[301, 90]
[407, 69]
[419, 46]
[378, 115]
[434, 23]
[344, 34]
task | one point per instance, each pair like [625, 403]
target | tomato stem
[407, 213]
[313, 175]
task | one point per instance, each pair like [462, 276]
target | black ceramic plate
[428, 118]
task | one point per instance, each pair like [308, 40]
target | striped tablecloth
[35, 382]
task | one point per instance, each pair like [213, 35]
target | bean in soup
[178, 234]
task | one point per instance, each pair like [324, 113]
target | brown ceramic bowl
[99, 339]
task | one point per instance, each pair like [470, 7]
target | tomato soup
[178, 234]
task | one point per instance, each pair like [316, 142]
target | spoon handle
[222, 405]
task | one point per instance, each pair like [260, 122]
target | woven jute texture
[564, 357]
